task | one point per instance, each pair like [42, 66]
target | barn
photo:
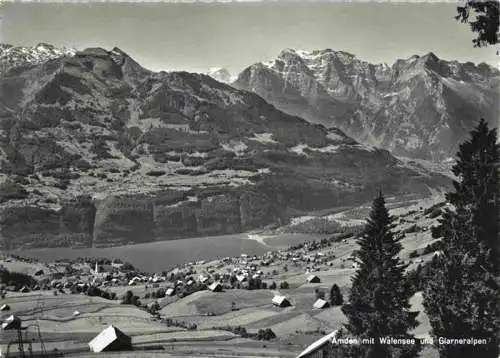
[320, 304]
[110, 339]
[12, 322]
[281, 301]
[313, 279]
[318, 349]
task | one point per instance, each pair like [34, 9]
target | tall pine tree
[379, 300]
[461, 295]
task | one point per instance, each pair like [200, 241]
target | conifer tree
[379, 300]
[336, 298]
[461, 295]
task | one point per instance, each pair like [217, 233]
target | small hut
[110, 339]
[313, 279]
[320, 304]
[281, 301]
[215, 287]
[12, 322]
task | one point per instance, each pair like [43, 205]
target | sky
[199, 36]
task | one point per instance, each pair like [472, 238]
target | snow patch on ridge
[335, 137]
[263, 138]
[237, 147]
[300, 149]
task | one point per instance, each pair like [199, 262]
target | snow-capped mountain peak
[13, 56]
[221, 74]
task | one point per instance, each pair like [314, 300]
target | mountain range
[96, 150]
[420, 107]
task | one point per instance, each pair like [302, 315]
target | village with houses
[280, 304]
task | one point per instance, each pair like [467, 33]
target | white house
[215, 287]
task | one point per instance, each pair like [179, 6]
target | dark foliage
[10, 190]
[265, 334]
[336, 298]
[435, 246]
[156, 173]
[483, 18]
[130, 299]
[284, 285]
[15, 279]
[461, 296]
[96, 291]
[379, 300]
[173, 323]
[413, 254]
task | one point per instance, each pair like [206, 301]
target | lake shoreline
[165, 255]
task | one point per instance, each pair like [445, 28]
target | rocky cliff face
[96, 150]
[421, 107]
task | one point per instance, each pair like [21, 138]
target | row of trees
[462, 285]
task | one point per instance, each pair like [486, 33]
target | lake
[165, 255]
